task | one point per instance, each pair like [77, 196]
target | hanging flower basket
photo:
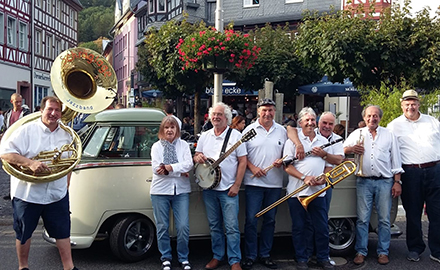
[218, 52]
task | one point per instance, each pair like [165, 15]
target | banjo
[208, 174]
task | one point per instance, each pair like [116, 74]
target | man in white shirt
[381, 163]
[302, 172]
[222, 203]
[31, 200]
[263, 187]
[333, 154]
[418, 137]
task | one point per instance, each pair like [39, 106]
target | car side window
[129, 142]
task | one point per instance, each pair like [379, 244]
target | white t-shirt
[263, 150]
[309, 166]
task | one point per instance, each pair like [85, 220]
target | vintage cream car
[109, 191]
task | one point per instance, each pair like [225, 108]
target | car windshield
[122, 142]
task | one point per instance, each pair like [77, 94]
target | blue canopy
[332, 89]
[152, 93]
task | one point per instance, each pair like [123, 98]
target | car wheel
[342, 234]
[132, 237]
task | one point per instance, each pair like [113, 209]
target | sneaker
[185, 265]
[247, 264]
[166, 265]
[434, 258]
[302, 266]
[326, 265]
[383, 259]
[413, 256]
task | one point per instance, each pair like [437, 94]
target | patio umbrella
[324, 87]
[152, 93]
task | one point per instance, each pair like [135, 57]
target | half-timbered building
[32, 34]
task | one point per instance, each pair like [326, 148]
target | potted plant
[216, 51]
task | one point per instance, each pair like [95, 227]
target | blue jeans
[161, 209]
[258, 198]
[420, 186]
[301, 235]
[222, 210]
[370, 191]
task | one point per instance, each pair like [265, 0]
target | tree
[397, 48]
[95, 22]
[161, 67]
[389, 100]
[277, 61]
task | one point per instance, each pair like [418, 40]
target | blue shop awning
[332, 89]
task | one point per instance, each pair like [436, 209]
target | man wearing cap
[418, 138]
[263, 187]
[379, 183]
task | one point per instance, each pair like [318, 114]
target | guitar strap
[228, 133]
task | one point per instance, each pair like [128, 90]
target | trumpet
[332, 177]
[359, 158]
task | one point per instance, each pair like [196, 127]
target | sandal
[185, 265]
[166, 265]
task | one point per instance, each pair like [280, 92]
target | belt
[423, 165]
[373, 177]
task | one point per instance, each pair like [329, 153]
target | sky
[418, 5]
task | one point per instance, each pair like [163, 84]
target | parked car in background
[110, 199]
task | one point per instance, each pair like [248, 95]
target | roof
[75, 3]
[128, 115]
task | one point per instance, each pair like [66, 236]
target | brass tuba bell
[86, 83]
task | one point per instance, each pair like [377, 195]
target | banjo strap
[228, 133]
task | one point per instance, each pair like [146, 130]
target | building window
[151, 6]
[251, 3]
[40, 93]
[22, 36]
[72, 18]
[38, 35]
[160, 5]
[2, 26]
[38, 3]
[58, 8]
[49, 46]
[11, 32]
[48, 10]
[57, 47]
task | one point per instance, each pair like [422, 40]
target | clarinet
[289, 161]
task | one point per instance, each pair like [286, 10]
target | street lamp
[218, 77]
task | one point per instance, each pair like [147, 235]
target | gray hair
[304, 111]
[375, 106]
[327, 113]
[226, 109]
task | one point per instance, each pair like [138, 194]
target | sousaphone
[86, 83]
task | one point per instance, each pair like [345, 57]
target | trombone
[332, 177]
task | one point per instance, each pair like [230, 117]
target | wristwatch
[324, 157]
[303, 177]
[398, 181]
